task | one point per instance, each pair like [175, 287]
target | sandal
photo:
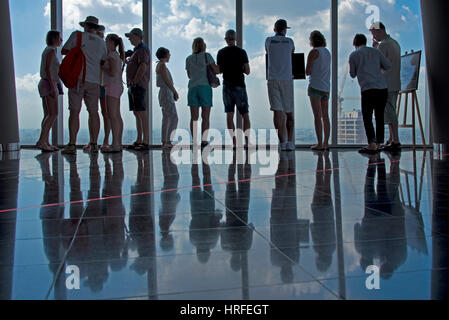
[317, 148]
[365, 150]
[111, 149]
[142, 147]
[133, 146]
[44, 147]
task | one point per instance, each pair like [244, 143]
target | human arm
[211, 62]
[313, 55]
[385, 63]
[70, 44]
[163, 71]
[50, 56]
[246, 67]
[143, 61]
[352, 66]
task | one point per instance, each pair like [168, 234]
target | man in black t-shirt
[233, 62]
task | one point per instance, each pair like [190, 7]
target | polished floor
[138, 226]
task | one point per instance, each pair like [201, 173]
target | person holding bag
[201, 68]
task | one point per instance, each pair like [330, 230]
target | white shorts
[281, 95]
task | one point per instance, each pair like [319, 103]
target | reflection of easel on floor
[415, 109]
[417, 188]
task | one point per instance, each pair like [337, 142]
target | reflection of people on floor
[96, 251]
[76, 209]
[322, 228]
[114, 214]
[236, 236]
[142, 225]
[381, 234]
[52, 217]
[205, 223]
[141, 219]
[169, 201]
[284, 227]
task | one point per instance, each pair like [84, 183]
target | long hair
[118, 42]
[198, 45]
[318, 39]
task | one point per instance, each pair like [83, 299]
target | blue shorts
[235, 96]
[200, 96]
[314, 93]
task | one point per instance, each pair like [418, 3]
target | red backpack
[73, 64]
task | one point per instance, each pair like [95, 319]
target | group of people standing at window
[106, 61]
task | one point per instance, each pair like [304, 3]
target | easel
[415, 107]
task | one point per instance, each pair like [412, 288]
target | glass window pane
[402, 19]
[30, 22]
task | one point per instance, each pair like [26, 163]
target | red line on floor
[194, 187]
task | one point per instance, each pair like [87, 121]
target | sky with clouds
[177, 22]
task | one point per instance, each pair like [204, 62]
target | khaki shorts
[390, 116]
[89, 92]
[281, 96]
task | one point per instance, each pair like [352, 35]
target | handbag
[214, 82]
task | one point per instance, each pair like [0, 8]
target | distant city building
[350, 128]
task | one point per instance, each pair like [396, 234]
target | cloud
[28, 82]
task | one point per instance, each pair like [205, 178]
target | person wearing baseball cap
[234, 64]
[138, 72]
[392, 51]
[94, 49]
[279, 49]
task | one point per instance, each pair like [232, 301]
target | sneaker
[283, 146]
[290, 146]
[69, 149]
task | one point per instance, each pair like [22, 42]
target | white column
[334, 94]
[147, 6]
[9, 121]
[57, 136]
[239, 30]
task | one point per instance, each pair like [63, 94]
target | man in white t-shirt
[280, 49]
[94, 49]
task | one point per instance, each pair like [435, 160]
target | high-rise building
[350, 128]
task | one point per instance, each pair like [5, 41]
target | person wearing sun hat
[94, 49]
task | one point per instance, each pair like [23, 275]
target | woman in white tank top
[49, 89]
[113, 84]
[319, 71]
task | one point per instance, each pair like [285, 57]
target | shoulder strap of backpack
[78, 45]
[79, 39]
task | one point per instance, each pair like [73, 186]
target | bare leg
[290, 126]
[74, 125]
[51, 113]
[246, 126]
[231, 126]
[138, 128]
[115, 120]
[94, 125]
[194, 117]
[205, 122]
[317, 114]
[106, 120]
[326, 121]
[279, 122]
